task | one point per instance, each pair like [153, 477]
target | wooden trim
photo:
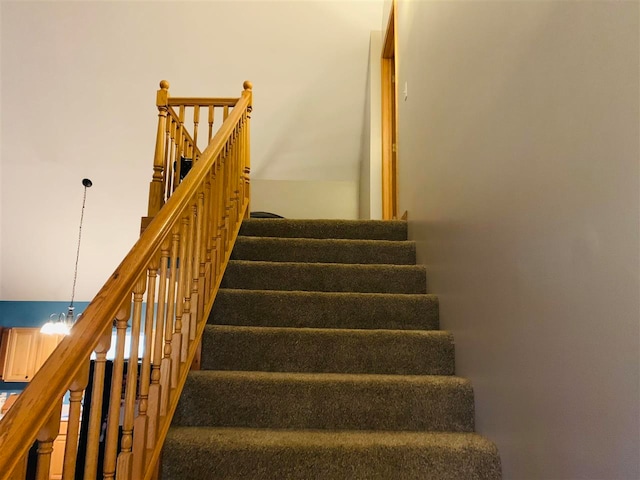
[196, 101]
[389, 120]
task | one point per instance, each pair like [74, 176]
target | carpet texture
[322, 359]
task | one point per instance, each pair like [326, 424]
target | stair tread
[330, 265]
[330, 350]
[339, 242]
[296, 308]
[349, 251]
[377, 332]
[267, 454]
[239, 437]
[358, 229]
[336, 378]
[326, 401]
[368, 296]
[325, 277]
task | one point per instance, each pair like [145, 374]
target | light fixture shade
[57, 325]
[55, 328]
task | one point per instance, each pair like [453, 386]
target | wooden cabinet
[24, 350]
[47, 344]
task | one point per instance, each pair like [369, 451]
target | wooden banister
[178, 262]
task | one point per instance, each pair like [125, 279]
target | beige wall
[370, 195]
[78, 100]
[305, 199]
[519, 147]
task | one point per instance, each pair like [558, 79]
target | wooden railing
[180, 132]
[176, 268]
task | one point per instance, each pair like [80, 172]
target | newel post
[156, 189]
[248, 90]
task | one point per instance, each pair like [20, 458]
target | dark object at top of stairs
[264, 215]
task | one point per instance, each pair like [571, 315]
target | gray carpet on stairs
[313, 250]
[278, 349]
[273, 308]
[323, 360]
[325, 277]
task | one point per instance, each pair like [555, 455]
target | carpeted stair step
[326, 401]
[262, 454]
[313, 250]
[275, 349]
[325, 277]
[354, 229]
[272, 308]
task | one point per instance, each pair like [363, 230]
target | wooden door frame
[390, 119]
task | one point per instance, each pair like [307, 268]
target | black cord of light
[87, 183]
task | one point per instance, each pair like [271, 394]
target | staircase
[323, 360]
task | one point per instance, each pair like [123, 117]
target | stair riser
[324, 251]
[265, 402]
[308, 350]
[324, 277]
[348, 229]
[305, 462]
[328, 310]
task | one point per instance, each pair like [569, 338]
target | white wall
[519, 147]
[370, 206]
[305, 199]
[78, 100]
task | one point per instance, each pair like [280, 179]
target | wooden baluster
[237, 175]
[167, 156]
[225, 112]
[227, 195]
[210, 123]
[45, 437]
[180, 148]
[198, 274]
[164, 330]
[230, 202]
[196, 121]
[171, 156]
[219, 205]
[171, 337]
[187, 247]
[243, 156]
[190, 151]
[113, 422]
[192, 255]
[248, 87]
[182, 339]
[222, 180]
[207, 249]
[240, 167]
[125, 460]
[76, 392]
[157, 183]
[213, 237]
[95, 415]
[141, 425]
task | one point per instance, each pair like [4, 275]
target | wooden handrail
[193, 101]
[200, 220]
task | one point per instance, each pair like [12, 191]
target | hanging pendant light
[60, 324]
